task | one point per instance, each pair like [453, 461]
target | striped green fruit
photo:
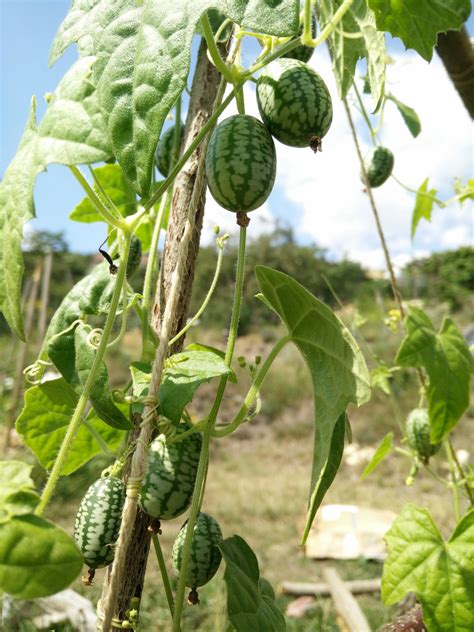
[378, 166]
[164, 149]
[98, 521]
[294, 103]
[302, 52]
[240, 163]
[134, 256]
[205, 553]
[168, 485]
[418, 434]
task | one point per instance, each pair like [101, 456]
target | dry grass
[258, 484]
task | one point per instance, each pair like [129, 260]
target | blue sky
[320, 196]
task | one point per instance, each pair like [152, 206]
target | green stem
[253, 391]
[213, 51]
[103, 446]
[163, 571]
[307, 35]
[439, 202]
[164, 186]
[452, 469]
[364, 114]
[94, 198]
[123, 324]
[204, 456]
[239, 97]
[206, 300]
[106, 198]
[153, 255]
[329, 28]
[79, 411]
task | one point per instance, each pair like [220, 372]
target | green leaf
[464, 191]
[45, 418]
[338, 370]
[143, 59]
[118, 189]
[441, 574]
[385, 447]
[183, 375]
[409, 115]
[446, 358]
[73, 355]
[16, 208]
[418, 22]
[84, 24]
[328, 472]
[72, 132]
[17, 495]
[380, 376]
[346, 52]
[37, 558]
[250, 598]
[423, 206]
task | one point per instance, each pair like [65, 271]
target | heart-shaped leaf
[338, 370]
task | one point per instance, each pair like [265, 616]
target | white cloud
[325, 188]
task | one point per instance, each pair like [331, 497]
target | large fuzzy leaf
[143, 59]
[72, 131]
[338, 370]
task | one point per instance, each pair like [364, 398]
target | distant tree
[279, 249]
[444, 276]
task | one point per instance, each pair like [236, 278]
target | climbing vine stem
[242, 220]
[76, 420]
[393, 280]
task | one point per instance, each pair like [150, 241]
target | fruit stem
[81, 404]
[204, 456]
[213, 51]
[363, 111]
[328, 29]
[168, 181]
[393, 281]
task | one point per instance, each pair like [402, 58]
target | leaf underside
[338, 370]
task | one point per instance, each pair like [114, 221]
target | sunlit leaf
[346, 51]
[183, 374]
[448, 362]
[17, 492]
[72, 132]
[44, 420]
[385, 447]
[37, 558]
[411, 118]
[440, 573]
[418, 22]
[423, 206]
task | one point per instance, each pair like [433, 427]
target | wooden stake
[344, 602]
[23, 349]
